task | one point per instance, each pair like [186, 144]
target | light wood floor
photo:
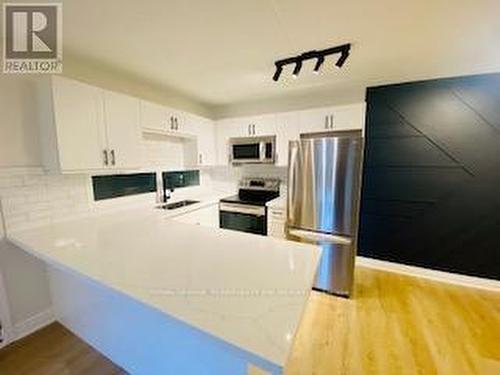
[398, 324]
[395, 324]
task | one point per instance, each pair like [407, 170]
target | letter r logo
[31, 31]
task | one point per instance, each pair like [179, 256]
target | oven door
[243, 218]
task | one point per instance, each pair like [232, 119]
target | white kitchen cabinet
[87, 128]
[350, 117]
[345, 117]
[287, 129]
[316, 120]
[177, 123]
[153, 116]
[258, 125]
[276, 222]
[206, 216]
[121, 114]
[73, 131]
[159, 119]
[204, 129]
[225, 129]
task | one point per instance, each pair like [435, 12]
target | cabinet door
[123, 130]
[225, 129]
[79, 122]
[287, 129]
[349, 117]
[178, 122]
[315, 120]
[257, 125]
[154, 116]
[206, 142]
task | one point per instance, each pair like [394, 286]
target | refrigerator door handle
[319, 237]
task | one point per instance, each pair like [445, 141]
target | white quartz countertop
[245, 289]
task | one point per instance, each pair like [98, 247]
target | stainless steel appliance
[246, 211]
[323, 203]
[252, 150]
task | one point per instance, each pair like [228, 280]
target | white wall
[18, 137]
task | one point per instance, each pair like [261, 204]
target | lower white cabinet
[206, 216]
[276, 222]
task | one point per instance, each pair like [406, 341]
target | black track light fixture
[343, 57]
[318, 55]
[279, 69]
[319, 62]
[296, 70]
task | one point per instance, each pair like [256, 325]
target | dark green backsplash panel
[431, 183]
[179, 179]
[106, 187]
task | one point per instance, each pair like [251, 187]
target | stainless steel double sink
[174, 205]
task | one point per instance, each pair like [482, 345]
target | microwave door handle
[262, 151]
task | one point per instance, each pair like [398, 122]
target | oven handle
[242, 209]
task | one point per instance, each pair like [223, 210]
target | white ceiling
[223, 51]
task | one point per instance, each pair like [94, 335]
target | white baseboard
[441, 276]
[32, 324]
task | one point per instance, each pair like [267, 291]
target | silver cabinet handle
[249, 129]
[201, 159]
[176, 123]
[113, 159]
[326, 122]
[331, 121]
[106, 159]
[253, 127]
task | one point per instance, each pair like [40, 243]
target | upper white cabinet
[287, 129]
[350, 117]
[346, 117]
[159, 119]
[204, 142]
[316, 120]
[257, 125]
[87, 128]
[153, 116]
[121, 115]
[225, 129]
[73, 131]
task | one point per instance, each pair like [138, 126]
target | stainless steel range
[246, 211]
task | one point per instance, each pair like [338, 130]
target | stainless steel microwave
[252, 150]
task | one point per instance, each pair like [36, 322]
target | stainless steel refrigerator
[324, 179]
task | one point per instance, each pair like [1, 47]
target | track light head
[296, 70]
[277, 74]
[319, 62]
[343, 57]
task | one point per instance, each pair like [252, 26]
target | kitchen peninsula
[152, 294]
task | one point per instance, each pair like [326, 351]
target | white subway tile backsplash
[30, 197]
